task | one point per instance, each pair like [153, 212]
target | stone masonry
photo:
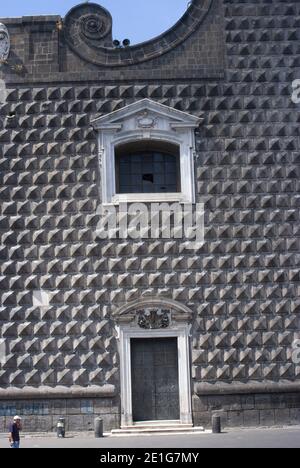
[230, 61]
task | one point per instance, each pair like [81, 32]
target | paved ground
[261, 438]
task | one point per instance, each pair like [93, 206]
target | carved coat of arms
[4, 43]
[153, 319]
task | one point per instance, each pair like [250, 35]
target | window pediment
[166, 312]
[147, 114]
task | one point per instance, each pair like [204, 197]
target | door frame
[181, 331]
[149, 345]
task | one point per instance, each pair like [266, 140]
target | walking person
[14, 432]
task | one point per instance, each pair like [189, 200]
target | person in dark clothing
[14, 432]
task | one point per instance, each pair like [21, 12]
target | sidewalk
[52, 435]
[285, 437]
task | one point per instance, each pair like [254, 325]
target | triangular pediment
[146, 111]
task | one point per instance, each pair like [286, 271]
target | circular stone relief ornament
[4, 43]
[88, 27]
[93, 27]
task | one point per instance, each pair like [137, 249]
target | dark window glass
[146, 170]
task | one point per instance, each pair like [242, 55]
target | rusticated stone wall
[237, 69]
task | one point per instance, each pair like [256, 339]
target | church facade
[102, 314]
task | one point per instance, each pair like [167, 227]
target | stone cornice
[241, 388]
[12, 393]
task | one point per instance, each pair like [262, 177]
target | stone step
[158, 429]
[155, 424]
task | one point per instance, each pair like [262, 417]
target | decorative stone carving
[4, 43]
[154, 319]
[153, 313]
[94, 27]
[88, 32]
[88, 25]
[146, 121]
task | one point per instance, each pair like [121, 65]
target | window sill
[149, 198]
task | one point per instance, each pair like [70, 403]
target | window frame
[168, 197]
[147, 120]
[157, 147]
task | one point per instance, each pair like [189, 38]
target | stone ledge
[246, 388]
[57, 392]
[24, 20]
[139, 76]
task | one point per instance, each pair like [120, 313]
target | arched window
[147, 167]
